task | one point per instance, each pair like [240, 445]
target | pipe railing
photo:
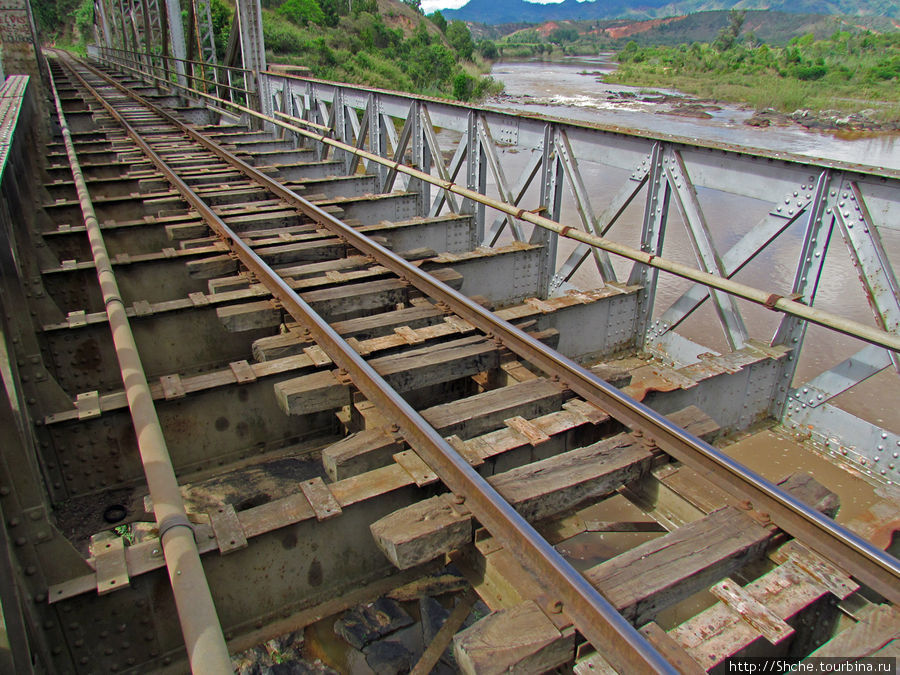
[203, 637]
[119, 57]
[771, 301]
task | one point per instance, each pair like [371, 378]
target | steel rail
[200, 625]
[771, 301]
[596, 619]
[870, 565]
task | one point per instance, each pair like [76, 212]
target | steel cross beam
[871, 565]
[594, 616]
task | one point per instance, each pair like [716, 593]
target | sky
[429, 6]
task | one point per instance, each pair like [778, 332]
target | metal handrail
[771, 301]
[200, 624]
[872, 566]
[174, 58]
[596, 618]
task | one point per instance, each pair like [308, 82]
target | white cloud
[429, 6]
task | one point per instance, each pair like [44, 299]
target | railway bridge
[465, 387]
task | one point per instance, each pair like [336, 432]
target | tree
[558, 36]
[488, 50]
[463, 86]
[334, 10]
[302, 12]
[728, 35]
[460, 39]
[415, 4]
[438, 20]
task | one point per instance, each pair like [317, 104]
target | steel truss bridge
[305, 343]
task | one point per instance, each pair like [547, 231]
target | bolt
[459, 499]
[556, 607]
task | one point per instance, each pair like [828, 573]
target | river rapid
[572, 90]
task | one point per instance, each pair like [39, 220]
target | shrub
[488, 50]
[302, 12]
[463, 86]
[807, 73]
[460, 39]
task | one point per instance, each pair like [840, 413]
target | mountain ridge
[510, 11]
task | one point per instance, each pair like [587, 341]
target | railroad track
[281, 310]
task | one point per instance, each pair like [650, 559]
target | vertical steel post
[421, 160]
[176, 35]
[476, 176]
[792, 331]
[377, 136]
[100, 13]
[551, 204]
[653, 231]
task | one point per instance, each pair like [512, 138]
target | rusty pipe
[868, 563]
[200, 626]
[771, 301]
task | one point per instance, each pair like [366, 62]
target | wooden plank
[312, 393]
[172, 387]
[423, 531]
[226, 527]
[110, 565]
[362, 328]
[554, 485]
[659, 573]
[211, 267]
[341, 302]
[243, 372]
[433, 652]
[865, 638]
[719, 633]
[831, 577]
[664, 571]
[521, 639]
[444, 362]
[406, 371]
[485, 412]
[418, 470]
[250, 316]
[320, 498]
[769, 625]
[361, 452]
[671, 651]
[532, 433]
[537, 490]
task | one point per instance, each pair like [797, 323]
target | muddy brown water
[563, 90]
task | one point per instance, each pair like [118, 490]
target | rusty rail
[582, 603]
[594, 616]
[771, 301]
[200, 625]
[874, 567]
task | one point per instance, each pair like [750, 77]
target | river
[571, 89]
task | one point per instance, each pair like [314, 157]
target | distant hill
[773, 28]
[515, 11]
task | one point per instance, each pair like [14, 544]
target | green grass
[361, 49]
[847, 73]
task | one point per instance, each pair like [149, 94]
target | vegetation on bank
[359, 46]
[845, 72]
[378, 43]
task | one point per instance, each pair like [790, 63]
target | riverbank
[846, 82]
